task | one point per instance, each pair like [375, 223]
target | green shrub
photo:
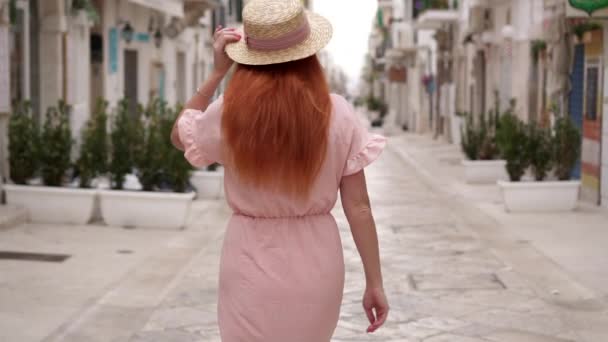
[176, 168]
[56, 144]
[150, 151]
[540, 147]
[471, 141]
[122, 144]
[567, 147]
[93, 160]
[512, 139]
[488, 150]
[23, 144]
[479, 141]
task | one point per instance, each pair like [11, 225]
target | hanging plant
[538, 46]
[88, 7]
[580, 29]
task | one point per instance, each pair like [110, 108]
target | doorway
[131, 77]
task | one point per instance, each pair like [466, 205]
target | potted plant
[540, 145]
[538, 49]
[543, 150]
[483, 164]
[87, 8]
[144, 148]
[93, 159]
[512, 139]
[53, 203]
[23, 144]
[583, 31]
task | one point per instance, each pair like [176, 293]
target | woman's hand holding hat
[222, 37]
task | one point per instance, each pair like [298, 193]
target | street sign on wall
[113, 40]
[397, 74]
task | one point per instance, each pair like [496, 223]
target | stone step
[11, 216]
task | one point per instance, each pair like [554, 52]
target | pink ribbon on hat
[283, 42]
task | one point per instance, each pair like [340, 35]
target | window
[591, 92]
[19, 54]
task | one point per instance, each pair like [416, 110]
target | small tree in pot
[471, 139]
[567, 147]
[149, 149]
[93, 160]
[56, 145]
[23, 144]
[176, 169]
[540, 147]
[512, 139]
[122, 143]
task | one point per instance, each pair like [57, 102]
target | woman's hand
[376, 307]
[221, 38]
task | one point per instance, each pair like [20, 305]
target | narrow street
[452, 272]
[449, 277]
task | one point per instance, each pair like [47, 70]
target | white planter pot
[485, 171]
[145, 209]
[208, 184]
[540, 196]
[45, 204]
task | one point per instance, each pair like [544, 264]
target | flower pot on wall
[145, 209]
[485, 171]
[540, 196]
[208, 184]
[45, 204]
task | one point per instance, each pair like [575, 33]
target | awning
[172, 7]
[434, 19]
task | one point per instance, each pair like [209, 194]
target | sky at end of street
[352, 23]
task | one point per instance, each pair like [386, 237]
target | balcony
[434, 14]
[385, 3]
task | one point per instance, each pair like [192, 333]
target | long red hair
[275, 124]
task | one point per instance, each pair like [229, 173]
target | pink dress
[282, 268]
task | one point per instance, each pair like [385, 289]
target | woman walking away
[287, 147]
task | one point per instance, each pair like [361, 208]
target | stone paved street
[450, 275]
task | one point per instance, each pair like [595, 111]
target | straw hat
[279, 31]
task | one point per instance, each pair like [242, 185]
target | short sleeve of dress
[200, 133]
[365, 147]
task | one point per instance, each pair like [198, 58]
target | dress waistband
[280, 217]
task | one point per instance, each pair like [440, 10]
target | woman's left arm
[222, 63]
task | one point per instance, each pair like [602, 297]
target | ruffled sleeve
[200, 133]
[365, 147]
